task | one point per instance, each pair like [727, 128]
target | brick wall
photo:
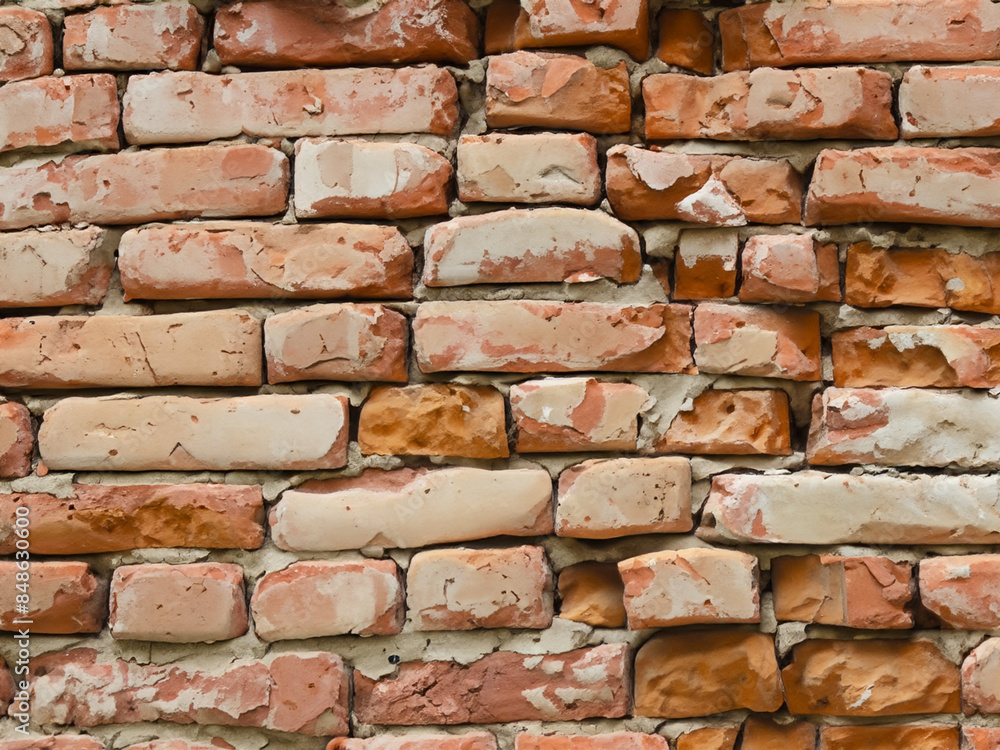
[558, 375]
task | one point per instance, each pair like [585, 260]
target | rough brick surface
[705, 264]
[920, 737]
[981, 678]
[686, 39]
[592, 593]
[59, 742]
[980, 738]
[65, 597]
[17, 440]
[26, 51]
[466, 741]
[954, 101]
[960, 591]
[610, 741]
[731, 422]
[709, 738]
[789, 268]
[763, 733]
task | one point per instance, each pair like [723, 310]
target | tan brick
[285, 34]
[134, 37]
[434, 419]
[114, 518]
[981, 679]
[576, 414]
[948, 102]
[747, 340]
[525, 246]
[500, 687]
[771, 104]
[690, 586]
[870, 678]
[202, 348]
[360, 180]
[705, 264]
[302, 692]
[854, 592]
[610, 741]
[17, 440]
[592, 593]
[268, 432]
[466, 589]
[603, 499]
[317, 598]
[961, 590]
[731, 422]
[789, 268]
[763, 733]
[686, 39]
[184, 107]
[128, 188]
[28, 51]
[254, 260]
[197, 602]
[531, 168]
[529, 336]
[671, 680]
[336, 342]
[709, 738]
[64, 597]
[413, 508]
[547, 90]
[714, 190]
[919, 737]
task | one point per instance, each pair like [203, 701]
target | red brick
[686, 39]
[705, 264]
[319, 598]
[611, 741]
[981, 679]
[763, 733]
[114, 518]
[64, 597]
[789, 268]
[530, 168]
[27, 49]
[336, 342]
[181, 745]
[912, 737]
[961, 590]
[980, 738]
[201, 348]
[134, 37]
[61, 742]
[709, 738]
[592, 593]
[529, 336]
[300, 692]
[184, 107]
[7, 690]
[842, 31]
[731, 422]
[197, 602]
[468, 741]
[288, 34]
[17, 440]
[948, 102]
[548, 90]
[525, 246]
[360, 180]
[500, 687]
[714, 190]
[279, 432]
[234, 260]
[128, 188]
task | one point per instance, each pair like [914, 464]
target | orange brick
[731, 422]
[65, 597]
[686, 39]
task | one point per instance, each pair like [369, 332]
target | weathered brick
[51, 269]
[979, 738]
[912, 737]
[610, 741]
[525, 246]
[789, 268]
[947, 102]
[671, 680]
[184, 107]
[906, 184]
[933, 277]
[434, 419]
[267, 432]
[59, 742]
[961, 590]
[854, 592]
[65, 597]
[771, 104]
[465, 589]
[8, 689]
[731, 422]
[810, 507]
[128, 188]
[686, 39]
[763, 733]
[592, 593]
[361, 180]
[113, 518]
[467, 741]
[255, 260]
[546, 90]
[178, 745]
[870, 678]
[318, 598]
[336, 342]
[908, 427]
[709, 738]
[528, 336]
[149, 36]
[27, 46]
[502, 686]
[299, 692]
[981, 678]
[576, 414]
[842, 31]
[690, 586]
[715, 190]
[287, 34]
[705, 264]
[413, 508]
[68, 351]
[746, 340]
[189, 603]
[531, 168]
[17, 441]
[603, 499]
